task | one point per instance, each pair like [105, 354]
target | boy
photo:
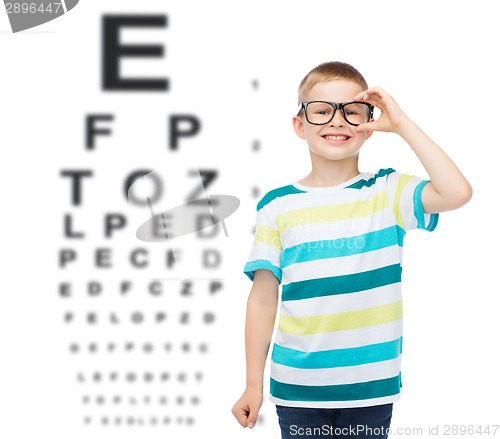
[333, 240]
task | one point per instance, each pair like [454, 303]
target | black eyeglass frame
[303, 105]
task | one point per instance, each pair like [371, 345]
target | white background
[438, 59]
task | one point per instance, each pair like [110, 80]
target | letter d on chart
[31, 13]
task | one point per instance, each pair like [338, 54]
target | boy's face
[336, 140]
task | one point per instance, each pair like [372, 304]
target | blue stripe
[275, 193]
[348, 283]
[250, 267]
[373, 353]
[419, 209]
[432, 222]
[335, 248]
[401, 234]
[371, 181]
[339, 392]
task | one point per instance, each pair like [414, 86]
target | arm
[448, 188]
[260, 318]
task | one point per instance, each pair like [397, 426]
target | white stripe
[319, 268]
[406, 204]
[337, 404]
[316, 199]
[263, 251]
[342, 302]
[333, 376]
[341, 339]
[427, 219]
[265, 217]
[337, 229]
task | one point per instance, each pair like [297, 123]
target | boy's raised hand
[246, 409]
[391, 115]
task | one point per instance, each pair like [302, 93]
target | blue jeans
[354, 423]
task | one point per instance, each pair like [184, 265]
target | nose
[338, 119]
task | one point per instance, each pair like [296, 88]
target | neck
[326, 173]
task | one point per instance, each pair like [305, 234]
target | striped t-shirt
[337, 253]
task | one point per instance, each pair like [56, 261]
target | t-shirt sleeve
[405, 199]
[266, 248]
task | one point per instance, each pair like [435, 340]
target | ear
[298, 127]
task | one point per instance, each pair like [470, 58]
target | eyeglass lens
[321, 112]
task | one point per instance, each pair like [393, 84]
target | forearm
[447, 180]
[259, 325]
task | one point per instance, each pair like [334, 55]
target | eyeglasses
[322, 112]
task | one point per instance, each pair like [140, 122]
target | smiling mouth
[336, 138]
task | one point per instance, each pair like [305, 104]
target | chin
[335, 155]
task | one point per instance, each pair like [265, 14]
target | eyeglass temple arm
[299, 107]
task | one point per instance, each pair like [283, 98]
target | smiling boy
[334, 240]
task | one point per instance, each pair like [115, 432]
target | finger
[368, 126]
[370, 93]
[241, 415]
[375, 103]
[376, 91]
[370, 99]
[364, 95]
[252, 418]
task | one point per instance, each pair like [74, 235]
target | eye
[320, 108]
[356, 110]
[350, 112]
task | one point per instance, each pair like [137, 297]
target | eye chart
[137, 139]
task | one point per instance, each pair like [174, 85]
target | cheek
[359, 135]
[310, 133]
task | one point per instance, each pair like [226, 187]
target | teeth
[336, 137]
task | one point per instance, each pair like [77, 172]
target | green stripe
[338, 392]
[344, 284]
[371, 181]
[275, 193]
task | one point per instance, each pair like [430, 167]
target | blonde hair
[329, 71]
